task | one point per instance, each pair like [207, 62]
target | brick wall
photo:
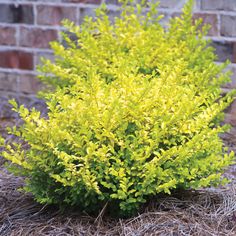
[27, 26]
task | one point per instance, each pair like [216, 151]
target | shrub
[136, 112]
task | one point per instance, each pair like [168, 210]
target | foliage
[136, 112]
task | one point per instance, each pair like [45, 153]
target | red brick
[234, 52]
[53, 15]
[36, 37]
[7, 35]
[232, 83]
[83, 1]
[225, 50]
[29, 84]
[209, 19]
[8, 82]
[168, 3]
[16, 59]
[225, 5]
[230, 117]
[43, 55]
[228, 26]
[16, 13]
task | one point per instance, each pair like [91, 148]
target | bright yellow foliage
[136, 112]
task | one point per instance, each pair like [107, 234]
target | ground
[203, 212]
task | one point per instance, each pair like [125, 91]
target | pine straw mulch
[203, 212]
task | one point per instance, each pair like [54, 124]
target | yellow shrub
[136, 112]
